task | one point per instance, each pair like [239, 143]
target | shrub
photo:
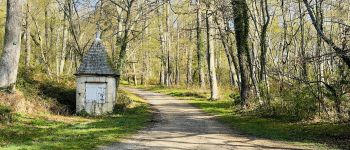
[5, 114]
[236, 98]
[294, 103]
[82, 113]
[123, 101]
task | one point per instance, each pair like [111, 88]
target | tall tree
[241, 21]
[214, 95]
[263, 42]
[200, 45]
[28, 48]
[167, 36]
[304, 72]
[12, 45]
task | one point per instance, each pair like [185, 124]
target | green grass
[315, 135]
[69, 132]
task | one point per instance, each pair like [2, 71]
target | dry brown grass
[66, 119]
[19, 104]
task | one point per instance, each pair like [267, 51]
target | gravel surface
[180, 126]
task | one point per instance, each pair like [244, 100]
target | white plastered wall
[95, 108]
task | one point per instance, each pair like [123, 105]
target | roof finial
[98, 33]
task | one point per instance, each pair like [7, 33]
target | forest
[281, 64]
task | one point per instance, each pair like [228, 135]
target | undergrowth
[41, 115]
[74, 132]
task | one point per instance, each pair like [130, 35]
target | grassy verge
[315, 135]
[64, 132]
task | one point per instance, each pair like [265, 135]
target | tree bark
[241, 21]
[12, 45]
[189, 54]
[168, 43]
[304, 73]
[162, 72]
[27, 31]
[263, 42]
[177, 58]
[189, 67]
[64, 46]
[200, 46]
[214, 91]
[229, 57]
[124, 41]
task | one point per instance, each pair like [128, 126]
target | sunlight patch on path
[181, 126]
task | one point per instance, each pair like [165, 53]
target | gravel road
[180, 126]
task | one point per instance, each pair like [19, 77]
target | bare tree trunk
[124, 41]
[319, 47]
[263, 35]
[145, 68]
[214, 91]
[163, 61]
[70, 66]
[228, 54]
[64, 46]
[189, 66]
[168, 42]
[177, 67]
[42, 49]
[241, 21]
[253, 76]
[12, 45]
[304, 72]
[28, 48]
[134, 76]
[46, 24]
[200, 46]
[57, 54]
[189, 55]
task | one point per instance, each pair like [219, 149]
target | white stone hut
[96, 82]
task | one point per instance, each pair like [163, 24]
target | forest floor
[179, 125]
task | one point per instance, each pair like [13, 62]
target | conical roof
[95, 61]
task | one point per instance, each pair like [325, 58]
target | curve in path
[181, 126]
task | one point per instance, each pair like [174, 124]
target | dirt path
[181, 126]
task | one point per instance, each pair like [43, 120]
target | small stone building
[96, 82]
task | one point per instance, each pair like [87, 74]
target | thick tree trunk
[12, 45]
[241, 21]
[214, 91]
